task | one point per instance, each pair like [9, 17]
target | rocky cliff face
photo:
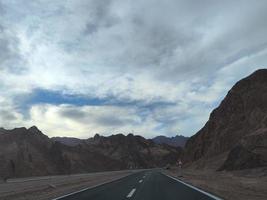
[24, 152]
[28, 152]
[237, 126]
[250, 152]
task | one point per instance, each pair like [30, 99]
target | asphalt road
[146, 185]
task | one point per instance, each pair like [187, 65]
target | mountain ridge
[236, 128]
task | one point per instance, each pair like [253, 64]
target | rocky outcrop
[250, 152]
[235, 126]
[177, 141]
[69, 141]
[24, 152]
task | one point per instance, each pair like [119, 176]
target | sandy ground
[47, 188]
[235, 185]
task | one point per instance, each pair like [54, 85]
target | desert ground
[49, 187]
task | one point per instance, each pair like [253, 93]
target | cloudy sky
[153, 67]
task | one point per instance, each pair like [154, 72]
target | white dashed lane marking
[131, 193]
[140, 181]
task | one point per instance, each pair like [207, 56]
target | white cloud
[85, 121]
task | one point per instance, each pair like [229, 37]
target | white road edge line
[131, 193]
[140, 181]
[193, 187]
[88, 188]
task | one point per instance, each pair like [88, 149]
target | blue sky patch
[40, 96]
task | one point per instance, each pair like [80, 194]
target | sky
[80, 67]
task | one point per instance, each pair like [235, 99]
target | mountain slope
[24, 152]
[177, 141]
[237, 126]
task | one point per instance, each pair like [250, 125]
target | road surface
[146, 185]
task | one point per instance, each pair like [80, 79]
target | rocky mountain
[69, 141]
[28, 152]
[23, 151]
[236, 131]
[176, 141]
[135, 151]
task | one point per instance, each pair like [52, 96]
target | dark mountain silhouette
[236, 132]
[177, 141]
[28, 152]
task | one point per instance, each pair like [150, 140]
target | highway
[146, 185]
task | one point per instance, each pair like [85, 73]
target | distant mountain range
[28, 152]
[235, 136]
[176, 141]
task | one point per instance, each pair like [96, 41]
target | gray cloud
[7, 116]
[90, 115]
[100, 16]
[73, 114]
[114, 121]
[174, 38]
[10, 58]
